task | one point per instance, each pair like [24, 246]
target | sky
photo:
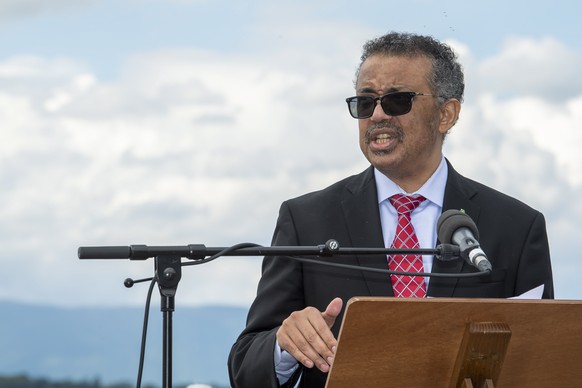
[189, 121]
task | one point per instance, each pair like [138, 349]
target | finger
[322, 340]
[329, 317]
[311, 334]
[295, 342]
[332, 311]
[287, 344]
[300, 335]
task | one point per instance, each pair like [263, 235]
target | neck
[412, 181]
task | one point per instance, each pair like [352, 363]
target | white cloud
[16, 9]
[545, 68]
[185, 148]
[32, 67]
[64, 96]
[189, 146]
[553, 127]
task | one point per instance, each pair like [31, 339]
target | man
[409, 90]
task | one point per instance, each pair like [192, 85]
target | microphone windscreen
[450, 221]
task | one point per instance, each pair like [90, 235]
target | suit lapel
[458, 194]
[360, 207]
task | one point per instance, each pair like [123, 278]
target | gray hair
[446, 79]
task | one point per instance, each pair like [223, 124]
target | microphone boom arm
[199, 251]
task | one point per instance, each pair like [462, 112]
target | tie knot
[405, 203]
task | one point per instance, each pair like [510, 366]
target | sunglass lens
[396, 104]
[362, 107]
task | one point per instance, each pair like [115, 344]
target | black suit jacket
[512, 234]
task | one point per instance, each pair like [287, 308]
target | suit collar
[459, 193]
[360, 207]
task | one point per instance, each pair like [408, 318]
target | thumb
[332, 311]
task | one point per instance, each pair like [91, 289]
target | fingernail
[329, 360]
[308, 363]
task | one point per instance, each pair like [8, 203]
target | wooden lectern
[459, 343]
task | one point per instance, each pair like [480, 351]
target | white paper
[535, 293]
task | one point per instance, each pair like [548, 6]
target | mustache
[395, 131]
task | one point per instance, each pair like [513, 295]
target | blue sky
[174, 122]
[102, 33]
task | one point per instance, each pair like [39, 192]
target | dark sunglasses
[393, 104]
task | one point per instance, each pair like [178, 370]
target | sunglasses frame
[385, 97]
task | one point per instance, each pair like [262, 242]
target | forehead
[384, 73]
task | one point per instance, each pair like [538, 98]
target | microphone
[456, 227]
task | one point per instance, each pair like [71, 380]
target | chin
[385, 157]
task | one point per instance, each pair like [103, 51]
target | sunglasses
[393, 104]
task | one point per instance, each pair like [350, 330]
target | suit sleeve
[280, 292]
[534, 266]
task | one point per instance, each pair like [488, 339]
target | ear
[450, 111]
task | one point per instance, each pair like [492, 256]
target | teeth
[382, 138]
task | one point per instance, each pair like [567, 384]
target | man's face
[405, 148]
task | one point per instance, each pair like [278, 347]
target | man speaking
[409, 90]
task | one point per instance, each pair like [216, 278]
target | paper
[534, 293]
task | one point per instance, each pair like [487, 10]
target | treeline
[23, 381]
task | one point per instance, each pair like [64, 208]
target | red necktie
[406, 286]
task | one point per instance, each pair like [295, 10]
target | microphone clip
[448, 252]
[331, 246]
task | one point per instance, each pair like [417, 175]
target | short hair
[446, 79]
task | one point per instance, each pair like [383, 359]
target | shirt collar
[433, 189]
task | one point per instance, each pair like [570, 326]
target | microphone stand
[168, 269]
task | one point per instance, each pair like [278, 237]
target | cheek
[362, 138]
[362, 129]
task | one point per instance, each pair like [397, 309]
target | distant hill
[103, 343]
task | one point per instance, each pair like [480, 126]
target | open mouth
[382, 138]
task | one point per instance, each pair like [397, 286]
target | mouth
[382, 140]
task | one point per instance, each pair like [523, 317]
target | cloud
[17, 9]
[187, 147]
[552, 126]
[191, 146]
[533, 67]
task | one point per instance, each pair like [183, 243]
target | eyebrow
[369, 90]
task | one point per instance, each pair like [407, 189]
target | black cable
[390, 272]
[222, 253]
[144, 333]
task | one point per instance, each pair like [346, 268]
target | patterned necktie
[406, 286]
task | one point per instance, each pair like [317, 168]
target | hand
[306, 335]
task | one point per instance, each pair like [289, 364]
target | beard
[395, 131]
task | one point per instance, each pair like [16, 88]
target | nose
[379, 114]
